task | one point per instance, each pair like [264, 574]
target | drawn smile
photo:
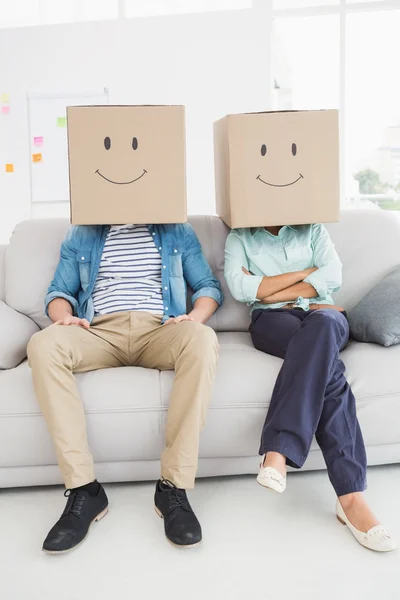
[281, 184]
[121, 182]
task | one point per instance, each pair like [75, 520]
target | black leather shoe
[80, 512]
[180, 523]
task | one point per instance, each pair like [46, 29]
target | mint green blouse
[295, 248]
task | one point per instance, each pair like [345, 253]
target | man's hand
[203, 309]
[179, 319]
[70, 320]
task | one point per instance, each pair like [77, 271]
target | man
[118, 298]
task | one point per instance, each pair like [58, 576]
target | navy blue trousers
[311, 394]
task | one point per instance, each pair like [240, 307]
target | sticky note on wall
[61, 121]
[5, 109]
[9, 168]
[5, 98]
[38, 140]
[37, 157]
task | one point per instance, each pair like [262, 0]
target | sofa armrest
[15, 332]
[3, 250]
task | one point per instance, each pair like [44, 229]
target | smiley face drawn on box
[300, 176]
[107, 146]
[283, 168]
[127, 164]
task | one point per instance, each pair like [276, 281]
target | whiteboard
[48, 142]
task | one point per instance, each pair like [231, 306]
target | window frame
[343, 9]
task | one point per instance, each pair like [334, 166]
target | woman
[287, 274]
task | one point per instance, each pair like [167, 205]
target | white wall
[214, 63]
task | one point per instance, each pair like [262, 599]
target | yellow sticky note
[37, 157]
[9, 168]
[61, 121]
[5, 98]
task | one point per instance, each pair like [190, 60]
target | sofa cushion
[31, 260]
[374, 378]
[123, 415]
[26, 292]
[245, 381]
[212, 233]
[376, 318]
[15, 332]
[126, 407]
[368, 243]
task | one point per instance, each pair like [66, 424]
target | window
[306, 75]
[373, 108]
[363, 1]
[282, 4]
[19, 13]
[343, 55]
[60, 11]
[150, 8]
[22, 13]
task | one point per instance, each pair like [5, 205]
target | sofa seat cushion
[373, 373]
[126, 407]
[245, 381]
[123, 416]
[242, 392]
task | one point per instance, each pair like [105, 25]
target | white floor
[257, 545]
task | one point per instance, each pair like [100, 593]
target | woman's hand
[320, 306]
[305, 273]
[266, 301]
[311, 307]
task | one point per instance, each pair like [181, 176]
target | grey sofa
[126, 407]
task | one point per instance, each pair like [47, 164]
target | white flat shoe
[377, 538]
[271, 478]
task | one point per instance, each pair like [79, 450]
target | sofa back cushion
[368, 243]
[212, 233]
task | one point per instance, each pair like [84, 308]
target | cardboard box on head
[127, 164]
[277, 168]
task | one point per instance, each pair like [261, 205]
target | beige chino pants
[119, 339]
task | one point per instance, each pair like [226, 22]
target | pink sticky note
[38, 140]
[5, 110]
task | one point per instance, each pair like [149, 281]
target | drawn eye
[263, 150]
[135, 143]
[107, 143]
[294, 149]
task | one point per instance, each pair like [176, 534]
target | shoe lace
[74, 504]
[177, 498]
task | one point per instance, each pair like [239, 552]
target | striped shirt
[129, 276]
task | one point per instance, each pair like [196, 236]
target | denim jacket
[183, 263]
